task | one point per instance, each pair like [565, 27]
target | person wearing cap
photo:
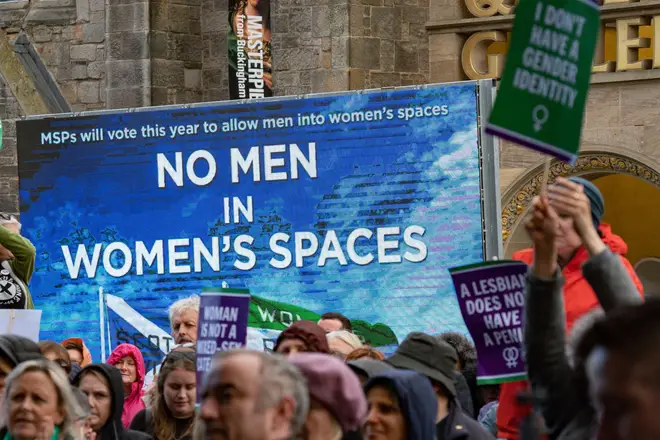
[402, 406]
[579, 298]
[337, 403]
[17, 258]
[302, 337]
[435, 359]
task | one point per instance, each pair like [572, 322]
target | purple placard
[223, 318]
[492, 297]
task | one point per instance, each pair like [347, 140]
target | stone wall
[215, 26]
[325, 46]
[69, 35]
[176, 51]
[389, 45]
[9, 109]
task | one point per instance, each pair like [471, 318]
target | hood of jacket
[416, 399]
[80, 344]
[18, 349]
[113, 428]
[133, 402]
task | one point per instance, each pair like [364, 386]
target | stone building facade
[130, 53]
[620, 143]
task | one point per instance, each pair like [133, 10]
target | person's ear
[285, 411]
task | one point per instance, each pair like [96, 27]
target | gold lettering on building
[626, 44]
[600, 64]
[476, 47]
[488, 8]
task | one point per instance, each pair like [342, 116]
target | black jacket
[113, 428]
[459, 425]
[18, 349]
[464, 394]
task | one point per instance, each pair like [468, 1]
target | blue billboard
[355, 203]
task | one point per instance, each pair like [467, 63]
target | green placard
[541, 98]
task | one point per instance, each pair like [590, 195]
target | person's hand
[89, 434]
[268, 80]
[5, 254]
[542, 227]
[568, 199]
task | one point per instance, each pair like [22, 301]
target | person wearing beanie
[302, 337]
[337, 403]
[580, 235]
[402, 406]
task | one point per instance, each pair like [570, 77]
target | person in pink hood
[128, 360]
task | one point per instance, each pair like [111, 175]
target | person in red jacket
[579, 298]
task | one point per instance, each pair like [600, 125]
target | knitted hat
[309, 332]
[331, 383]
[595, 197]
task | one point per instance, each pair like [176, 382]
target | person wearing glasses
[17, 257]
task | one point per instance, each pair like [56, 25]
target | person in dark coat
[103, 385]
[14, 350]
[402, 405]
[436, 360]
[467, 366]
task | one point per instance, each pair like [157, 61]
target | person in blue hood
[402, 406]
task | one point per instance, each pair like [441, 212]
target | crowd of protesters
[591, 348]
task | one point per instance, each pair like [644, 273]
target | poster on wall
[355, 203]
[250, 52]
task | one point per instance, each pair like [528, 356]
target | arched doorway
[631, 189]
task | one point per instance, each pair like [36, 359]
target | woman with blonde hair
[39, 404]
[342, 343]
[172, 414]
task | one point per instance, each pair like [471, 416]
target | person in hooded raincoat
[128, 359]
[402, 406]
[579, 297]
[78, 352]
[104, 386]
